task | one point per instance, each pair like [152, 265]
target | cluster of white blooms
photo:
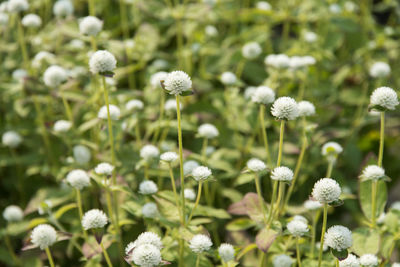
[310, 37]
[369, 260]
[189, 194]
[282, 260]
[177, 82]
[94, 219]
[279, 61]
[226, 252]
[43, 56]
[256, 165]
[82, 154]
[228, 78]
[338, 237]
[282, 173]
[285, 108]
[134, 104]
[11, 139]
[16, 6]
[156, 78]
[263, 5]
[31, 21]
[326, 190]
[297, 227]
[312, 205]
[115, 112]
[150, 210]
[148, 188]
[201, 173]
[306, 108]
[200, 243]
[169, 156]
[263, 95]
[331, 150]
[211, 31]
[385, 98]
[350, 261]
[43, 236]
[62, 126]
[78, 178]
[379, 70]
[13, 213]
[373, 172]
[63, 8]
[251, 50]
[297, 62]
[102, 61]
[104, 168]
[146, 255]
[207, 130]
[54, 76]
[149, 152]
[90, 25]
[189, 166]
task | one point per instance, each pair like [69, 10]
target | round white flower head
[77, 44]
[312, 204]
[324, 246]
[251, 50]
[297, 228]
[104, 168]
[263, 5]
[177, 82]
[78, 178]
[134, 104]
[256, 165]
[335, 8]
[379, 70]
[396, 264]
[300, 218]
[149, 238]
[277, 61]
[310, 37]
[285, 108]
[149, 152]
[4, 19]
[189, 194]
[13, 213]
[31, 20]
[200, 243]
[385, 98]
[189, 166]
[228, 78]
[148, 188]
[94, 219]
[208, 130]
[11, 139]
[16, 6]
[54, 76]
[201, 173]
[169, 156]
[338, 237]
[82, 154]
[282, 173]
[156, 78]
[90, 25]
[350, 261]
[62, 126]
[282, 260]
[331, 149]
[19, 74]
[63, 8]
[369, 260]
[43, 56]
[395, 205]
[373, 172]
[150, 210]
[115, 112]
[226, 252]
[170, 105]
[4, 7]
[263, 95]
[129, 249]
[211, 31]
[306, 108]
[102, 61]
[146, 255]
[43, 236]
[249, 91]
[326, 190]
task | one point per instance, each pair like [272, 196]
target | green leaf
[240, 224]
[365, 241]
[341, 255]
[64, 209]
[365, 198]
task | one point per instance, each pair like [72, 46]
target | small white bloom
[200, 243]
[4, 19]
[115, 112]
[297, 228]
[249, 91]
[331, 149]
[11, 139]
[63, 8]
[201, 173]
[54, 76]
[300, 218]
[285, 108]
[16, 6]
[160, 64]
[19, 74]
[211, 31]
[94, 219]
[43, 56]
[62, 126]
[263, 95]
[177, 82]
[77, 44]
[102, 61]
[31, 20]
[379, 70]
[169, 156]
[13, 213]
[189, 194]
[395, 205]
[263, 5]
[310, 37]
[324, 246]
[350, 6]
[78, 178]
[350, 261]
[148, 188]
[90, 25]
[279, 61]
[369, 260]
[338, 237]
[82, 154]
[251, 50]
[149, 152]
[256, 165]
[335, 9]
[104, 168]
[130, 44]
[226, 252]
[149, 238]
[207, 130]
[326, 190]
[282, 260]
[312, 205]
[373, 172]
[134, 105]
[306, 108]
[43, 236]
[4, 7]
[189, 166]
[146, 255]
[150, 210]
[396, 264]
[282, 173]
[170, 105]
[156, 78]
[384, 97]
[228, 78]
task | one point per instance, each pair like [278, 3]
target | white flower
[282, 173]
[251, 50]
[297, 228]
[170, 105]
[4, 19]
[373, 172]
[330, 149]
[11, 139]
[263, 95]
[211, 31]
[256, 165]
[104, 168]
[16, 6]
[285, 108]
[395, 205]
[82, 154]
[134, 104]
[102, 61]
[306, 108]
[189, 194]
[13, 213]
[384, 97]
[156, 78]
[31, 20]
[62, 126]
[335, 9]
[54, 76]
[350, 261]
[249, 91]
[169, 156]
[282, 260]
[326, 190]
[226, 252]
[77, 44]
[200, 243]
[263, 5]
[150, 210]
[189, 166]
[115, 112]
[396, 264]
[300, 218]
[90, 25]
[43, 236]
[149, 238]
[94, 219]
[310, 37]
[277, 61]
[379, 70]
[78, 178]
[130, 44]
[149, 152]
[42, 56]
[228, 78]
[146, 255]
[201, 173]
[350, 6]
[369, 260]
[338, 237]
[63, 8]
[312, 205]
[19, 74]
[148, 188]
[4, 7]
[177, 82]
[207, 130]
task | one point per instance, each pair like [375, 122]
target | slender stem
[204, 151]
[67, 108]
[41, 124]
[106, 255]
[160, 118]
[382, 139]
[280, 195]
[181, 262]
[171, 174]
[21, 40]
[282, 130]
[91, 8]
[374, 186]
[264, 132]
[137, 134]
[298, 253]
[79, 203]
[196, 203]
[49, 257]
[198, 260]
[330, 168]
[109, 205]
[178, 113]
[313, 232]
[260, 198]
[321, 247]
[262, 259]
[11, 250]
[274, 189]
[179, 40]
[240, 67]
[93, 43]
[336, 262]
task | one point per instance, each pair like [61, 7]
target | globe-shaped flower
[13, 213]
[396, 264]
[43, 57]
[200, 243]
[249, 92]
[263, 95]
[11, 139]
[94, 219]
[134, 105]
[226, 252]
[256, 165]
[384, 98]
[282, 260]
[54, 76]
[150, 210]
[369, 260]
[90, 25]
[285, 108]
[282, 173]
[208, 131]
[297, 228]
[146, 255]
[156, 78]
[31, 21]
[63, 8]
[228, 78]
[251, 50]
[300, 218]
[278, 61]
[102, 62]
[263, 5]
[115, 112]
[211, 31]
[310, 37]
[16, 6]
[331, 149]
[373, 172]
[201, 173]
[177, 82]
[338, 237]
[326, 190]
[350, 261]
[104, 168]
[169, 156]
[82, 154]
[148, 238]
[379, 70]
[189, 194]
[306, 109]
[62, 126]
[312, 205]
[189, 166]
[78, 179]
[43, 236]
[149, 152]
[148, 188]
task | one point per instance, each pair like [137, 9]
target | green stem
[298, 253]
[274, 189]
[171, 174]
[179, 40]
[282, 130]
[313, 232]
[264, 132]
[198, 260]
[67, 108]
[260, 198]
[381, 139]
[11, 250]
[137, 134]
[373, 204]
[181, 262]
[161, 117]
[106, 255]
[321, 247]
[204, 151]
[278, 201]
[196, 203]
[262, 259]
[42, 126]
[91, 8]
[240, 67]
[49, 257]
[330, 168]
[178, 112]
[336, 262]
[79, 203]
[21, 40]
[93, 43]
